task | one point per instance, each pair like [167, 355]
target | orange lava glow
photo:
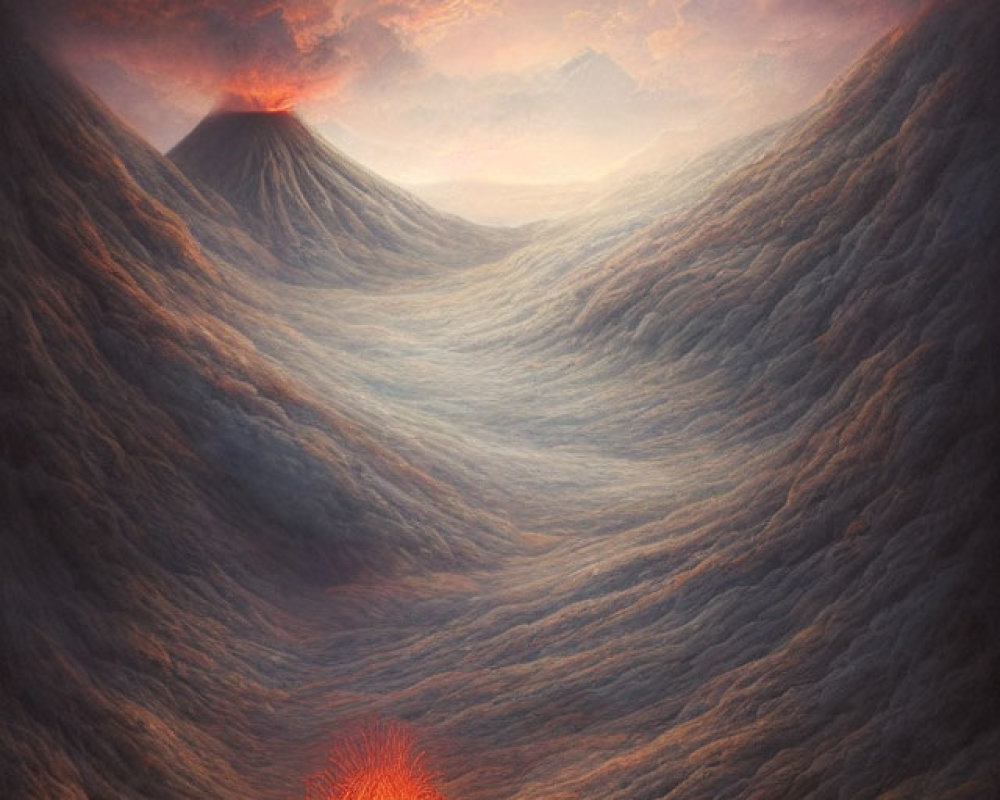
[252, 91]
[377, 761]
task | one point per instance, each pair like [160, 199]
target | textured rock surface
[694, 496]
[321, 211]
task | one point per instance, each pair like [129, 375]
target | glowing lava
[254, 91]
[378, 761]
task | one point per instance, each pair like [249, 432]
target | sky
[511, 91]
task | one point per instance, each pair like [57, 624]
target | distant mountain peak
[593, 72]
[590, 59]
[586, 54]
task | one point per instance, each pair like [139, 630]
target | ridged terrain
[168, 494]
[693, 496]
[320, 210]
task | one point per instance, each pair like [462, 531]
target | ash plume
[257, 55]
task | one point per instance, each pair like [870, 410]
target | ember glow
[376, 761]
[254, 91]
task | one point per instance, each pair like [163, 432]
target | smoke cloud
[258, 53]
[431, 90]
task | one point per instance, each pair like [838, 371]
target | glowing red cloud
[262, 54]
[376, 761]
[253, 91]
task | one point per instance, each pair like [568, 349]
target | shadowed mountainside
[168, 493]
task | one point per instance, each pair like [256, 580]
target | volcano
[320, 210]
[157, 470]
[699, 506]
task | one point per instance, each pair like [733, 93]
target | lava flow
[376, 761]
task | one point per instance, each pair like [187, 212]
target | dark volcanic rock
[166, 492]
[755, 445]
[320, 210]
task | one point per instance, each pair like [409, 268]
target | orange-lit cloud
[252, 51]
[433, 89]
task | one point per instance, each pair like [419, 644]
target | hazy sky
[511, 90]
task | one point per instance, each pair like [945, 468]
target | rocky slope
[321, 211]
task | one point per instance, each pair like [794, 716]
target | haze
[491, 91]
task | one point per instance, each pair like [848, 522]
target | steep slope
[167, 493]
[319, 210]
[764, 430]
[849, 197]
